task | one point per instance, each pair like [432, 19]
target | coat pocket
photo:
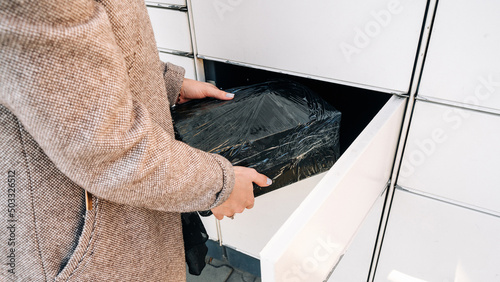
[86, 244]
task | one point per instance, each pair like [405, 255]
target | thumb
[262, 180]
[216, 93]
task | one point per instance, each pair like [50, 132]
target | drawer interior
[358, 106]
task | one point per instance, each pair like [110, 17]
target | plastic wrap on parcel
[280, 128]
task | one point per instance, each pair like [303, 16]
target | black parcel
[281, 128]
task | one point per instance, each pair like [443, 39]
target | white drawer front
[455, 154]
[185, 62]
[171, 29]
[371, 44]
[428, 240]
[462, 60]
[355, 265]
[317, 234]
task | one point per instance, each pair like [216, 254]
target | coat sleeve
[171, 75]
[64, 77]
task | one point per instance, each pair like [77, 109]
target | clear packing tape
[280, 128]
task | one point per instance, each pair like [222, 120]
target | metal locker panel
[369, 44]
[315, 237]
[453, 153]
[430, 240]
[171, 29]
[462, 60]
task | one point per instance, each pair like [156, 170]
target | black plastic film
[281, 128]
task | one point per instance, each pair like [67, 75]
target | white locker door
[462, 61]
[171, 29]
[317, 234]
[453, 154]
[369, 44]
[430, 240]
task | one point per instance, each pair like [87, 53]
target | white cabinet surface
[429, 240]
[171, 29]
[369, 44]
[454, 153]
[462, 61]
[310, 243]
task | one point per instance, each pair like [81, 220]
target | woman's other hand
[192, 89]
[241, 197]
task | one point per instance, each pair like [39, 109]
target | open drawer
[286, 227]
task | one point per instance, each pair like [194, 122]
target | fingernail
[229, 95]
[269, 181]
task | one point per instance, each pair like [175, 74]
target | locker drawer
[317, 234]
[369, 44]
[462, 61]
[185, 62]
[429, 240]
[171, 29]
[453, 153]
[285, 226]
[355, 264]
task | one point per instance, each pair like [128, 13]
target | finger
[250, 203]
[216, 93]
[262, 180]
[218, 216]
[217, 212]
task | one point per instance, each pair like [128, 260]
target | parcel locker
[365, 56]
[286, 227]
[444, 220]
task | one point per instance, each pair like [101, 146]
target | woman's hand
[192, 89]
[241, 197]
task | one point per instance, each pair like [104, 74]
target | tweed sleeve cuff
[228, 181]
[173, 76]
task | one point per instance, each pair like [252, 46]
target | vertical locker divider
[416, 76]
[198, 63]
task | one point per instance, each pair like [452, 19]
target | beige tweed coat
[84, 104]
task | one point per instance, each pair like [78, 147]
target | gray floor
[220, 271]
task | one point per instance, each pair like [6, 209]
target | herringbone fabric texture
[84, 103]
